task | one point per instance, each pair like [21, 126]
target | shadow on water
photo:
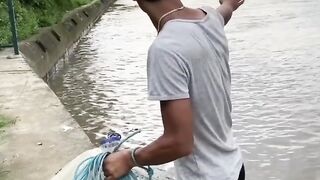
[76, 90]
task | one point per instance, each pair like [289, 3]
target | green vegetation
[4, 121]
[34, 14]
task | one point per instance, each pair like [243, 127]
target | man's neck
[157, 10]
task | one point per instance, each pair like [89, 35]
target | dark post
[13, 26]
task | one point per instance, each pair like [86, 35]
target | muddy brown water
[275, 64]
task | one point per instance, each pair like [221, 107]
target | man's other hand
[117, 165]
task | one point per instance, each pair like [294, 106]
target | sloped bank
[44, 136]
[43, 51]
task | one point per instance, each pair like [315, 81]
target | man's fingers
[110, 178]
[241, 2]
[105, 172]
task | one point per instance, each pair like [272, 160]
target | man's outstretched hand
[227, 7]
[234, 4]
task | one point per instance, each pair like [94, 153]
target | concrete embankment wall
[44, 136]
[43, 51]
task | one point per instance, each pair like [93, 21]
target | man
[188, 73]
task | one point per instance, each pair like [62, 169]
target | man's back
[189, 59]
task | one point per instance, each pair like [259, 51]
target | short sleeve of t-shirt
[215, 13]
[168, 76]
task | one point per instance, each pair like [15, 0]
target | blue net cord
[92, 168]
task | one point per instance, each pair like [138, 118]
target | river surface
[275, 64]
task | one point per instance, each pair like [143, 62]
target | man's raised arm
[227, 7]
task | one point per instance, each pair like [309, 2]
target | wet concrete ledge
[44, 136]
[43, 50]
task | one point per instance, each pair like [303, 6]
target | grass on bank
[4, 121]
[32, 15]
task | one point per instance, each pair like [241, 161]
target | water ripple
[275, 62]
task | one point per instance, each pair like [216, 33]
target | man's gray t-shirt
[189, 59]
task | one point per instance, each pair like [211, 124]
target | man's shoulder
[161, 46]
[170, 45]
[167, 52]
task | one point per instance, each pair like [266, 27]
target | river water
[275, 64]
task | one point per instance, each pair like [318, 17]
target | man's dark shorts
[242, 175]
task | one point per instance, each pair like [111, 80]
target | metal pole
[13, 26]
